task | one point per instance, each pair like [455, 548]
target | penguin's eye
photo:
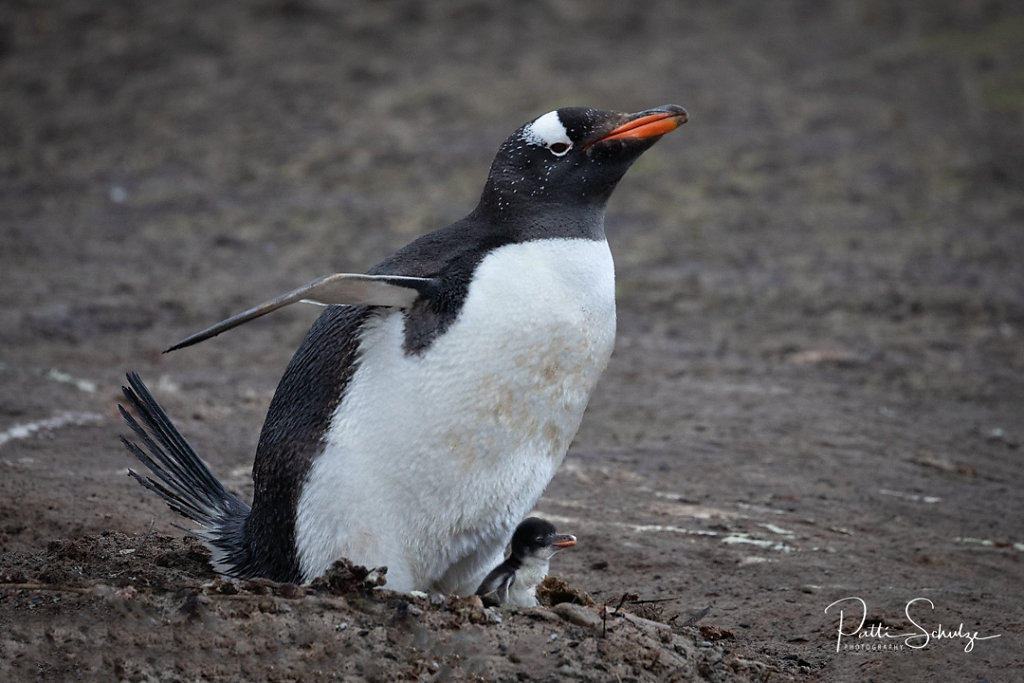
[548, 131]
[559, 148]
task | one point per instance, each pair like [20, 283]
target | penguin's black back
[299, 415]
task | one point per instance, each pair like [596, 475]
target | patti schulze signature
[915, 640]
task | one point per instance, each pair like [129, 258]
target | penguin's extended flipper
[394, 291]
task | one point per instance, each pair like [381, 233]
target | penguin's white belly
[431, 460]
[523, 591]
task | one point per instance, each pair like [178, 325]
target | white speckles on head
[549, 131]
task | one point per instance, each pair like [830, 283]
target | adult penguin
[433, 400]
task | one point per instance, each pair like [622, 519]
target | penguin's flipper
[393, 291]
[493, 589]
[490, 599]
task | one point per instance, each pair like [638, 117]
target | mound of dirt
[147, 608]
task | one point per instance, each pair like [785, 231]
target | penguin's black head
[538, 538]
[572, 157]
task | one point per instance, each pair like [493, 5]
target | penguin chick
[515, 581]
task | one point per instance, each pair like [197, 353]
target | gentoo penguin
[515, 581]
[432, 401]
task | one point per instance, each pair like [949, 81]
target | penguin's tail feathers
[183, 480]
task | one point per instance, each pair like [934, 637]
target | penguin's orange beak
[564, 541]
[648, 124]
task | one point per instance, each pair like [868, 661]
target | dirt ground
[818, 386]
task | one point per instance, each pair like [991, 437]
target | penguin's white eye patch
[548, 131]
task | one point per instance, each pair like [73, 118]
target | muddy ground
[818, 386]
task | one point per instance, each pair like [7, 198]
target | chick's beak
[563, 541]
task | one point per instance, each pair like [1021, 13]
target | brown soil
[818, 386]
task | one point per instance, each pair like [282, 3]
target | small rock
[577, 614]
[714, 633]
[469, 601]
[568, 671]
[127, 593]
[290, 590]
[117, 194]
[540, 613]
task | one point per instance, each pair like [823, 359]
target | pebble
[540, 613]
[577, 614]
